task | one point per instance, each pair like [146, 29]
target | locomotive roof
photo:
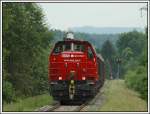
[73, 40]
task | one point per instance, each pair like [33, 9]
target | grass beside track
[29, 104]
[119, 98]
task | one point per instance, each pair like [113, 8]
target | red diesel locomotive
[76, 72]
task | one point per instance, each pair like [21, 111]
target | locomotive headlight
[60, 78]
[94, 59]
[84, 70]
[83, 78]
[54, 59]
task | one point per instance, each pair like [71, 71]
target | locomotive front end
[72, 71]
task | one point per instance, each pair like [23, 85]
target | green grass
[119, 98]
[29, 104]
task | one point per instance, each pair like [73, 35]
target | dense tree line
[25, 47]
[108, 52]
[131, 56]
[132, 49]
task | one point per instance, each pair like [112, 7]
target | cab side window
[90, 53]
[58, 49]
[79, 47]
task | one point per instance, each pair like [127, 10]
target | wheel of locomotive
[64, 102]
[94, 91]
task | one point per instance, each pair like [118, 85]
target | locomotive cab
[73, 70]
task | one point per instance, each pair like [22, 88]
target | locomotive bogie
[83, 90]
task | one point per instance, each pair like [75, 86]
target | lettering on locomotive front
[72, 60]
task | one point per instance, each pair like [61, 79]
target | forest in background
[27, 42]
[26, 46]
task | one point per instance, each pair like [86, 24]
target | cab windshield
[69, 47]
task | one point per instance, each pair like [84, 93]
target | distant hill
[104, 30]
[97, 39]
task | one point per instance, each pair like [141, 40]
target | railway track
[48, 108]
[57, 107]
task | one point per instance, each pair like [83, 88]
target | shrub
[8, 92]
[137, 80]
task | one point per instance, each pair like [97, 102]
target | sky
[67, 15]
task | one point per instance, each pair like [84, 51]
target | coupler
[72, 85]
